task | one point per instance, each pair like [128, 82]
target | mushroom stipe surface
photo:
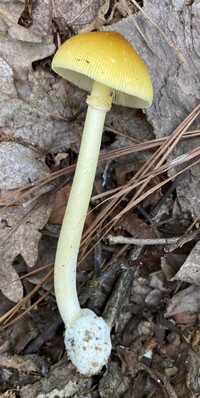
[105, 65]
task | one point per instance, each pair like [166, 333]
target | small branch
[121, 240]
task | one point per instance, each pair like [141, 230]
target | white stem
[77, 206]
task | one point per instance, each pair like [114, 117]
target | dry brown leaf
[62, 381]
[113, 381]
[80, 16]
[15, 30]
[135, 226]
[41, 17]
[190, 270]
[35, 109]
[19, 165]
[23, 333]
[171, 263]
[19, 370]
[20, 55]
[188, 300]
[20, 46]
[32, 108]
[175, 82]
[176, 89]
[59, 207]
[20, 239]
[26, 364]
[130, 358]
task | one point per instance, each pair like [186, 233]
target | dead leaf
[15, 30]
[62, 381]
[185, 318]
[19, 165]
[171, 263]
[18, 370]
[58, 211]
[175, 82]
[113, 381]
[10, 286]
[135, 226]
[20, 236]
[42, 17]
[188, 300]
[32, 108]
[35, 107]
[20, 46]
[80, 15]
[130, 358]
[190, 270]
[19, 336]
[20, 55]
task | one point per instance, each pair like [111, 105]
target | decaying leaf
[16, 31]
[174, 64]
[28, 364]
[62, 381]
[35, 109]
[17, 370]
[19, 165]
[135, 226]
[82, 15]
[59, 205]
[41, 17]
[171, 263]
[32, 120]
[11, 286]
[113, 381]
[20, 233]
[20, 46]
[20, 336]
[190, 270]
[188, 300]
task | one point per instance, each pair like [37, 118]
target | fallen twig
[121, 240]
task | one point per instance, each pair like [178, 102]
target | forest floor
[139, 262]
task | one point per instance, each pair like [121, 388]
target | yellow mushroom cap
[107, 58]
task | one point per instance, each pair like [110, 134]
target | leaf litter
[155, 324]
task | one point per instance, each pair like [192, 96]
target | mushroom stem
[99, 102]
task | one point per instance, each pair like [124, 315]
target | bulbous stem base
[88, 343]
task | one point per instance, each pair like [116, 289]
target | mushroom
[104, 64]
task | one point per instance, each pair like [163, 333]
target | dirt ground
[139, 260]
